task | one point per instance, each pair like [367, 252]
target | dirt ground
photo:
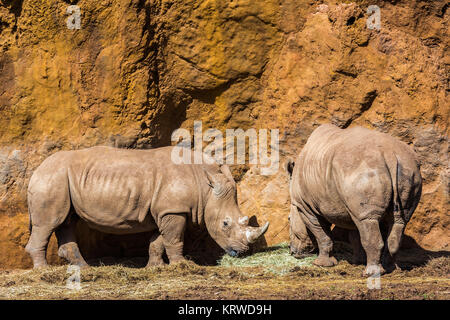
[255, 277]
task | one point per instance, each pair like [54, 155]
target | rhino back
[347, 170]
[313, 188]
[119, 190]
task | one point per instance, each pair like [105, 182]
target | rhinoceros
[123, 191]
[353, 178]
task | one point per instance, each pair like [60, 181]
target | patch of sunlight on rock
[275, 259]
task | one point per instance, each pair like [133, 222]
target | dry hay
[270, 274]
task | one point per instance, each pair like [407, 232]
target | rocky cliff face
[139, 69]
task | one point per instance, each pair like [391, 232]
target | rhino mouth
[236, 249]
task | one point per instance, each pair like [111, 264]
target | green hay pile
[275, 259]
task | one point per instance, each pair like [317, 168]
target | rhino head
[224, 221]
[302, 242]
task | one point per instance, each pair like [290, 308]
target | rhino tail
[395, 172]
[30, 225]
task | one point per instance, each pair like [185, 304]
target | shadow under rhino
[131, 250]
[410, 255]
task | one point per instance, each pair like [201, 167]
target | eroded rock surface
[137, 70]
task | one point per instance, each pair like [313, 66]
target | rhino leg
[156, 250]
[48, 205]
[67, 245]
[172, 229]
[322, 232]
[395, 233]
[37, 245]
[358, 252]
[372, 242]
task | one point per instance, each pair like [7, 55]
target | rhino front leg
[322, 233]
[172, 231]
[37, 245]
[67, 244]
[156, 250]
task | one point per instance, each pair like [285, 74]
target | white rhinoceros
[124, 191]
[353, 178]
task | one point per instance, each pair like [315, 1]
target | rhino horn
[254, 233]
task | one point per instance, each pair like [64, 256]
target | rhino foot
[40, 265]
[38, 257]
[174, 260]
[325, 261]
[389, 262]
[71, 253]
[391, 267]
[373, 271]
[154, 262]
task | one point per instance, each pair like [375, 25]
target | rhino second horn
[254, 233]
[243, 221]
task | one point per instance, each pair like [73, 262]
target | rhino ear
[289, 166]
[210, 179]
[227, 172]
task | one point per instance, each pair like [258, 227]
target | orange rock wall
[137, 70]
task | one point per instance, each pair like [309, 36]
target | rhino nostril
[232, 253]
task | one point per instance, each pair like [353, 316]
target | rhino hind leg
[48, 205]
[172, 227]
[156, 250]
[394, 238]
[37, 245]
[67, 244]
[372, 242]
[397, 222]
[322, 232]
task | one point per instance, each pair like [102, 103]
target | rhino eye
[225, 223]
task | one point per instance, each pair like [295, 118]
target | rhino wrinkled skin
[125, 191]
[356, 179]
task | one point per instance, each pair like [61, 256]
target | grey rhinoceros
[124, 191]
[355, 179]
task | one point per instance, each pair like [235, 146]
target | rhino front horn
[254, 233]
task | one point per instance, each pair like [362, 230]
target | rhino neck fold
[198, 211]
